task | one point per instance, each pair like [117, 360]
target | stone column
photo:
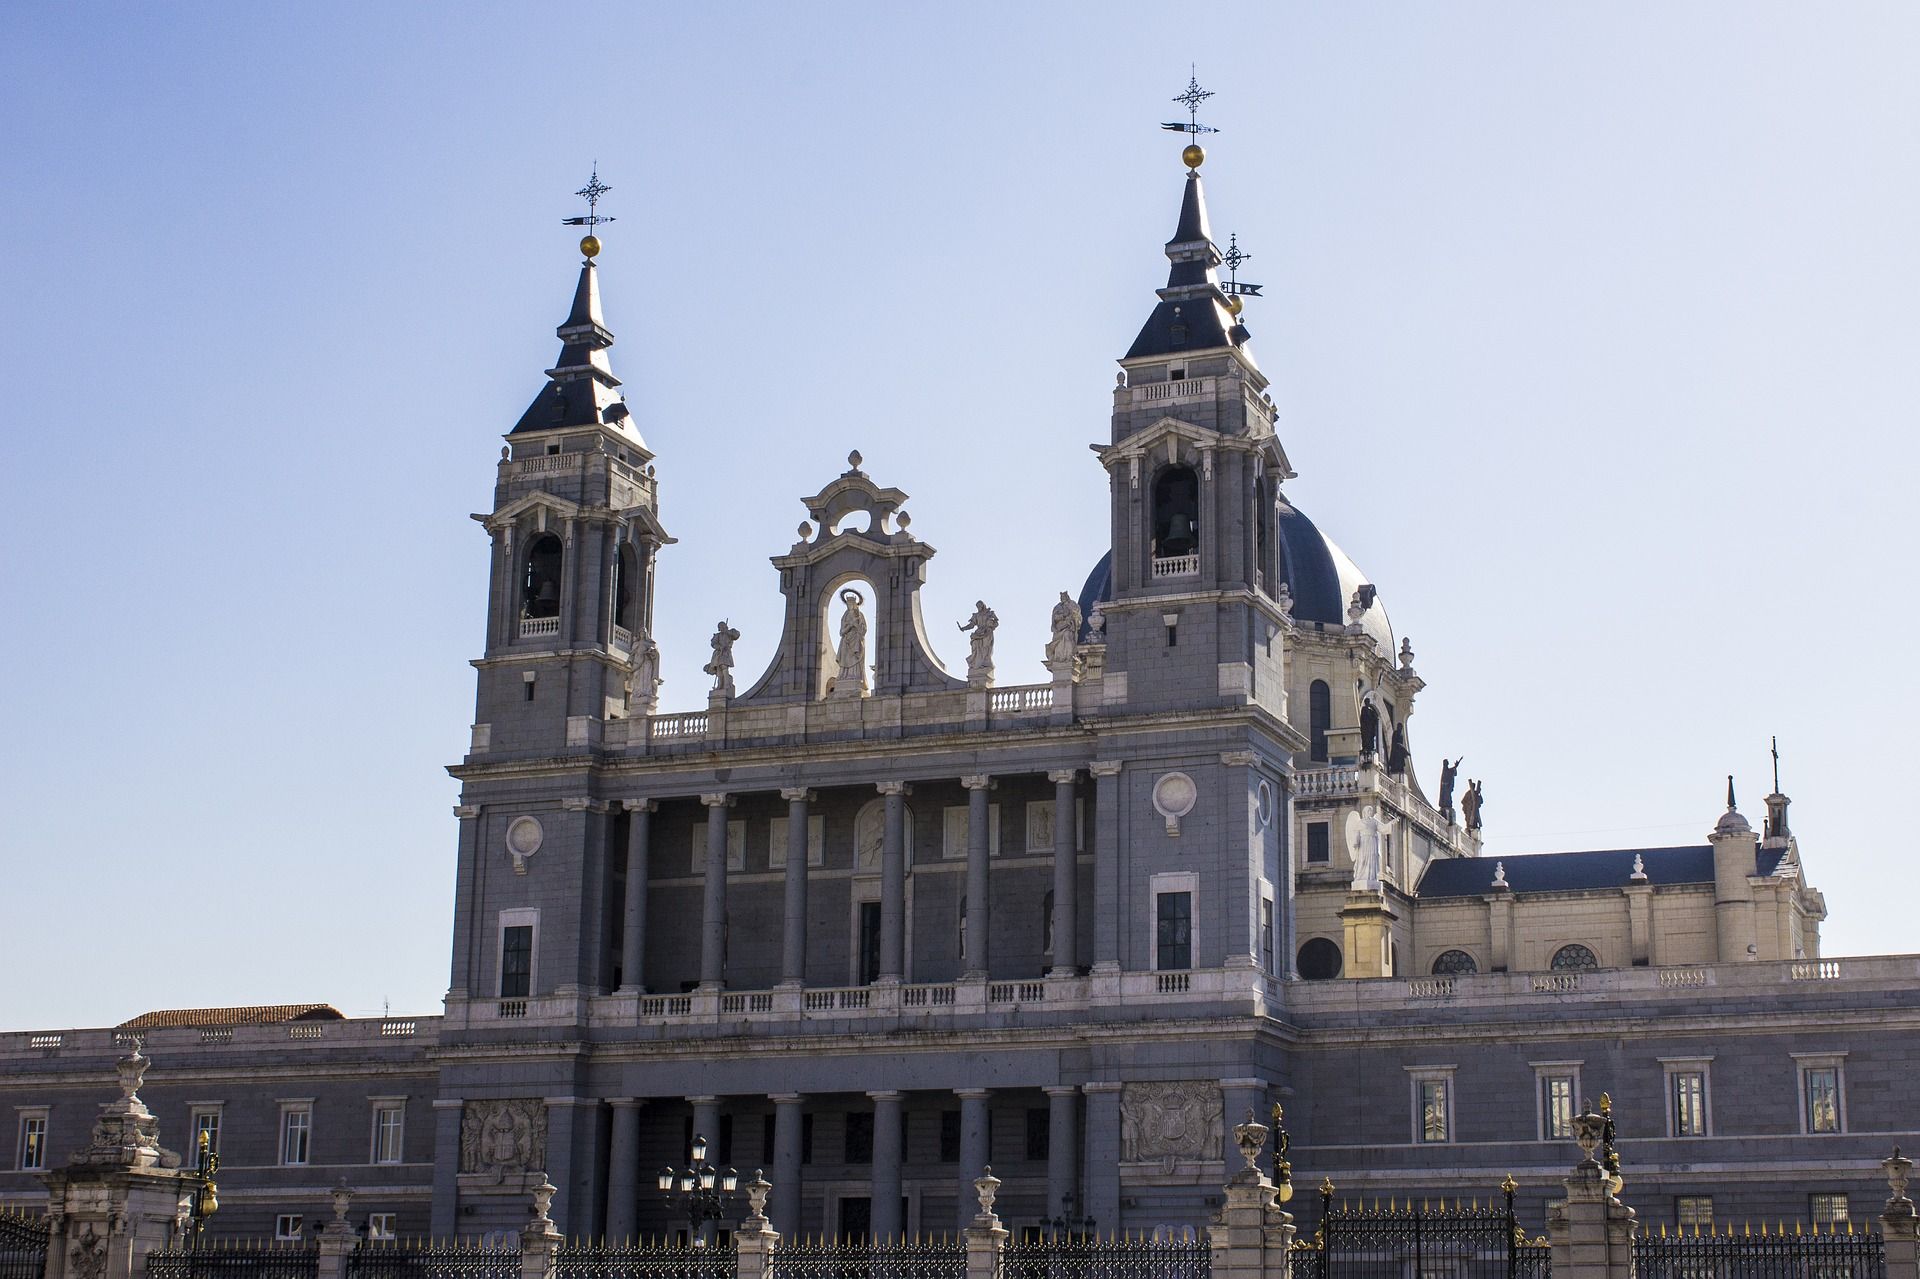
[893, 893]
[979, 909]
[1251, 1237]
[713, 917]
[633, 938]
[623, 1169]
[570, 1203]
[1066, 877]
[466, 863]
[540, 1238]
[1102, 1162]
[445, 1218]
[1063, 1146]
[1106, 868]
[973, 1147]
[986, 1237]
[1899, 1234]
[706, 1123]
[1591, 1232]
[793, 950]
[887, 1224]
[756, 1239]
[788, 1109]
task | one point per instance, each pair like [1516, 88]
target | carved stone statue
[643, 681]
[983, 623]
[1470, 804]
[1181, 1119]
[1283, 598]
[1449, 772]
[1369, 727]
[720, 666]
[504, 1136]
[1063, 648]
[1367, 832]
[850, 655]
[1397, 753]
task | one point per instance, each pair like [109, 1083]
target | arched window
[1263, 535]
[540, 591]
[1319, 720]
[1454, 963]
[1573, 957]
[626, 588]
[1176, 513]
[1319, 960]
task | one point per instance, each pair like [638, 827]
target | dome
[1318, 573]
[1732, 823]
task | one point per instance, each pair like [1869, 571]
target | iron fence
[235, 1259]
[23, 1246]
[1119, 1257]
[1725, 1255]
[920, 1259]
[1425, 1242]
[432, 1259]
[580, 1259]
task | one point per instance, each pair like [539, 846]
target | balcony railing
[537, 627]
[1025, 697]
[1176, 566]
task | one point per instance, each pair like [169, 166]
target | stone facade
[872, 925]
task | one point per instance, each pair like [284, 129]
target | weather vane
[591, 193]
[1191, 100]
[1233, 257]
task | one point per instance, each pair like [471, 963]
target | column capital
[1105, 767]
[638, 805]
[626, 1103]
[1239, 759]
[1060, 1090]
[466, 812]
[976, 781]
[1102, 1085]
[720, 800]
[796, 794]
[703, 1101]
[893, 788]
[1244, 1083]
[449, 1103]
[1063, 776]
[786, 1098]
[887, 1094]
[576, 803]
[973, 1094]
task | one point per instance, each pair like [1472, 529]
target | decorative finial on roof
[591, 193]
[1731, 806]
[1776, 765]
[1192, 155]
[1233, 288]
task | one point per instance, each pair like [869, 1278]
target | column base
[630, 991]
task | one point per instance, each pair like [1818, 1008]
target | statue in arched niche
[851, 653]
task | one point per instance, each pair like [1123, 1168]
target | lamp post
[705, 1191]
[1282, 1169]
[206, 1199]
[1068, 1222]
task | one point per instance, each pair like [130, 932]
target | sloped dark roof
[1184, 324]
[1572, 872]
[246, 1015]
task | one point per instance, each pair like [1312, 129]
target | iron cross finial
[1233, 257]
[1191, 100]
[591, 193]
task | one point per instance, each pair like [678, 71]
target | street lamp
[206, 1199]
[1282, 1169]
[704, 1190]
[1067, 1222]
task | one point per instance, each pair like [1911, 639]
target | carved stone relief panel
[504, 1135]
[1180, 1119]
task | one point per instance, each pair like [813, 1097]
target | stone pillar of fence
[121, 1197]
[1898, 1226]
[539, 1240]
[1251, 1237]
[754, 1242]
[986, 1237]
[1591, 1231]
[337, 1239]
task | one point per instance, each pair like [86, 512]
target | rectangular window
[296, 1130]
[1173, 931]
[206, 1122]
[1556, 1107]
[516, 961]
[382, 1226]
[389, 1122]
[1689, 1089]
[859, 1137]
[1435, 1119]
[1820, 1098]
[287, 1225]
[1693, 1210]
[1828, 1209]
[1039, 1133]
[1319, 844]
[1266, 934]
[33, 1141]
[949, 1136]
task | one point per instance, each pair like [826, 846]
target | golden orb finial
[1193, 155]
[590, 245]
[1235, 305]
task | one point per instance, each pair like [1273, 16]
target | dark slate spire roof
[1192, 314]
[580, 386]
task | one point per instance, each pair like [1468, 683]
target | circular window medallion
[1173, 798]
[524, 837]
[1263, 805]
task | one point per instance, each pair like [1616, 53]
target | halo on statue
[852, 598]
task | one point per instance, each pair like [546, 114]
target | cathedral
[873, 923]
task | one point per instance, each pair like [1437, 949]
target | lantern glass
[706, 1179]
[729, 1181]
[686, 1183]
[699, 1150]
[666, 1179]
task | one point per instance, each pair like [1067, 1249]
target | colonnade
[892, 967]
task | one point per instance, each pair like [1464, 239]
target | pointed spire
[1731, 806]
[581, 389]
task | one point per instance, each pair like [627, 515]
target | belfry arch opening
[540, 584]
[1176, 514]
[627, 589]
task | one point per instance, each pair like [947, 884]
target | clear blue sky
[1592, 329]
